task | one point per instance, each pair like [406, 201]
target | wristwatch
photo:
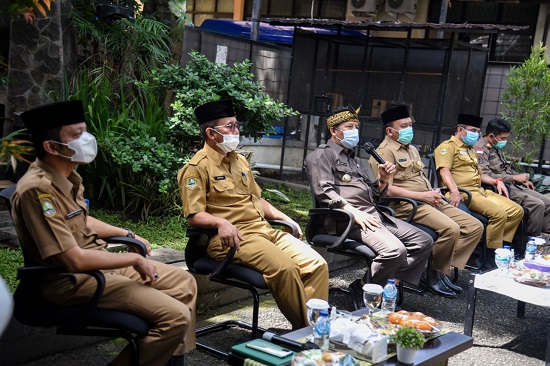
[130, 233]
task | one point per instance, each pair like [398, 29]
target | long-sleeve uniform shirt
[50, 215]
[338, 178]
[224, 187]
[494, 164]
[503, 214]
[457, 232]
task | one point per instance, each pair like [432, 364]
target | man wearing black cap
[218, 191]
[457, 164]
[458, 232]
[52, 221]
[339, 179]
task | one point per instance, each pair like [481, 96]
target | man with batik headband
[521, 189]
[219, 192]
[54, 227]
[457, 163]
[458, 232]
[339, 179]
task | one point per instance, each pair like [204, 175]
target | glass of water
[372, 294]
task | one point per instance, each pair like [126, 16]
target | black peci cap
[53, 115]
[214, 110]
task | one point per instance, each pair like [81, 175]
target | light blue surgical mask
[351, 138]
[471, 138]
[405, 135]
[500, 144]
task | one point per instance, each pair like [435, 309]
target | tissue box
[374, 350]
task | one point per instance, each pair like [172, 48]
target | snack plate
[538, 264]
[532, 277]
[384, 327]
[532, 282]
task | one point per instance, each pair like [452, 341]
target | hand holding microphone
[386, 168]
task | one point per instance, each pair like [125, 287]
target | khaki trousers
[401, 251]
[458, 233]
[504, 216]
[169, 306]
[538, 206]
[293, 271]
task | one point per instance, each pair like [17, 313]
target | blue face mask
[471, 138]
[500, 144]
[351, 138]
[405, 135]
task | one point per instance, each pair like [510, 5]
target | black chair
[226, 272]
[435, 181]
[82, 320]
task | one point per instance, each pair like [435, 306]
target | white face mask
[230, 142]
[84, 147]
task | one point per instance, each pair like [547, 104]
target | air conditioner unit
[401, 6]
[361, 8]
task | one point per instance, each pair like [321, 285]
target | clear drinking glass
[372, 294]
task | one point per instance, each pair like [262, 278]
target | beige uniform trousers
[458, 234]
[169, 306]
[538, 206]
[504, 216]
[293, 271]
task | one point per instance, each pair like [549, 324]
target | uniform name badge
[346, 178]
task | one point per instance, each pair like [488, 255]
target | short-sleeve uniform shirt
[409, 174]
[462, 161]
[50, 214]
[222, 186]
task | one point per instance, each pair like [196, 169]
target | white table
[493, 281]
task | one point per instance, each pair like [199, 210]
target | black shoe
[356, 291]
[440, 289]
[451, 285]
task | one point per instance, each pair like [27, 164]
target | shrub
[409, 337]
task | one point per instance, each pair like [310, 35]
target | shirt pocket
[221, 191]
[343, 175]
[243, 185]
[403, 171]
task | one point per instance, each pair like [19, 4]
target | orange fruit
[394, 318]
[418, 315]
[406, 323]
[430, 320]
[422, 325]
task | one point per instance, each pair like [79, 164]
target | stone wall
[40, 56]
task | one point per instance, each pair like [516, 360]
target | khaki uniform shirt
[49, 213]
[409, 173]
[462, 161]
[494, 164]
[222, 186]
[338, 178]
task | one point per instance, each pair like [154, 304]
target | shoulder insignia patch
[48, 207]
[443, 151]
[191, 181]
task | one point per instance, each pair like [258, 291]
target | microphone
[372, 151]
[287, 343]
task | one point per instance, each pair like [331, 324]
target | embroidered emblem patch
[346, 178]
[48, 208]
[191, 182]
[443, 151]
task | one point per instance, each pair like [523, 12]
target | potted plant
[408, 340]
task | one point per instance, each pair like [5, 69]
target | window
[505, 46]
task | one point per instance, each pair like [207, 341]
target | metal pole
[443, 16]
[256, 14]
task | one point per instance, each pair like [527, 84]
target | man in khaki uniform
[458, 232]
[520, 188]
[457, 163]
[218, 191]
[52, 221]
[339, 179]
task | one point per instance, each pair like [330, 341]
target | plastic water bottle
[389, 297]
[512, 262]
[530, 249]
[321, 330]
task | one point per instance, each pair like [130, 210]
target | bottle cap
[392, 281]
[507, 247]
[323, 313]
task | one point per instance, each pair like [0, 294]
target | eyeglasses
[232, 126]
